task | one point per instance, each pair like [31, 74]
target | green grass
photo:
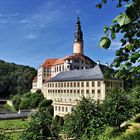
[14, 135]
[12, 124]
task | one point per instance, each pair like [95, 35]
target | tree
[16, 101]
[135, 97]
[58, 122]
[117, 107]
[40, 127]
[128, 24]
[84, 119]
[3, 136]
[45, 103]
[25, 103]
[15, 79]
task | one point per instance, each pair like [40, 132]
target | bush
[25, 103]
[117, 107]
[45, 103]
[135, 97]
[16, 101]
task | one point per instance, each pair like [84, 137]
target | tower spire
[78, 38]
[78, 35]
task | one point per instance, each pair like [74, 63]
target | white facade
[65, 94]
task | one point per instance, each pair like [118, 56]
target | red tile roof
[49, 62]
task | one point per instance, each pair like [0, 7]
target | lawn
[12, 124]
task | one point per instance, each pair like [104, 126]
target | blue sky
[34, 30]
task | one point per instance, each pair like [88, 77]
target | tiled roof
[84, 74]
[53, 62]
[49, 62]
[59, 61]
[81, 56]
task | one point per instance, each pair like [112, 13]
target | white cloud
[24, 21]
[31, 36]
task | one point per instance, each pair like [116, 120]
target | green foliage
[85, 119]
[40, 127]
[16, 101]
[45, 103]
[3, 136]
[25, 103]
[135, 97]
[35, 99]
[58, 122]
[105, 42]
[111, 134]
[128, 24]
[29, 100]
[117, 107]
[15, 78]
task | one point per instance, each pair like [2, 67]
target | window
[93, 91]
[55, 84]
[55, 108]
[58, 84]
[59, 68]
[93, 84]
[59, 108]
[99, 83]
[70, 91]
[82, 91]
[64, 84]
[78, 91]
[99, 91]
[63, 67]
[67, 84]
[78, 84]
[87, 91]
[87, 84]
[74, 84]
[71, 84]
[63, 109]
[66, 109]
[82, 84]
[61, 84]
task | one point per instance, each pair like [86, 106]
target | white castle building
[66, 80]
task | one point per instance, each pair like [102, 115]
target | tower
[78, 39]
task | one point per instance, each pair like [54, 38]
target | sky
[33, 30]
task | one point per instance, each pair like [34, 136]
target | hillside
[15, 78]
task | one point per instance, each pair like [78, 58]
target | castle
[66, 80]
